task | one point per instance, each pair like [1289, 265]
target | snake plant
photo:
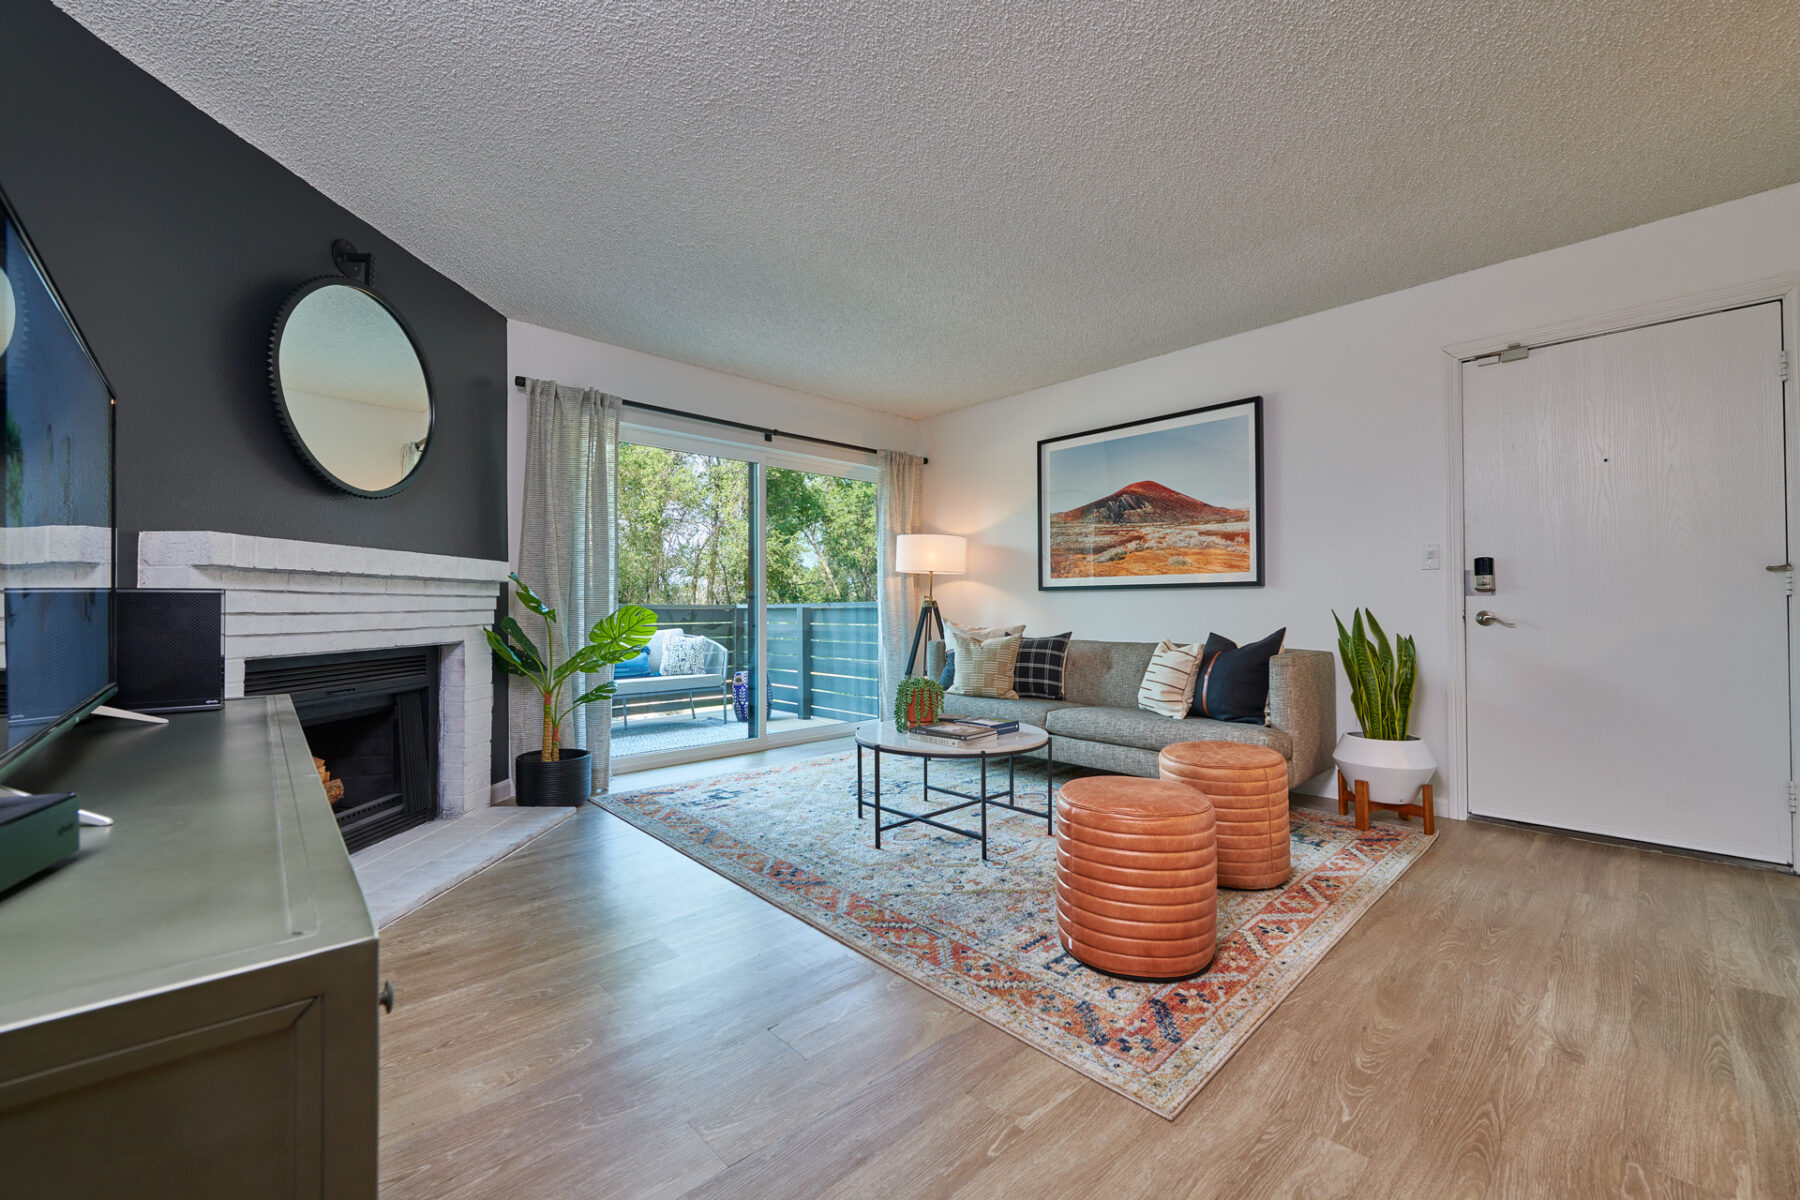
[1381, 676]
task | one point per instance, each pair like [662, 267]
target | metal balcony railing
[822, 657]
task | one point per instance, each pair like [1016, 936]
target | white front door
[1633, 678]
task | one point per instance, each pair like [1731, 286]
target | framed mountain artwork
[1171, 501]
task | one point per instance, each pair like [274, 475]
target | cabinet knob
[386, 998]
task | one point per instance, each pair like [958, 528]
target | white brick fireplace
[285, 598]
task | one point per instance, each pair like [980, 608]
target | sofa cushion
[984, 668]
[1038, 675]
[1234, 680]
[987, 633]
[1105, 673]
[1027, 712]
[1168, 686]
[1148, 731]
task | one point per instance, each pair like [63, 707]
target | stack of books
[954, 733]
[962, 731]
[998, 724]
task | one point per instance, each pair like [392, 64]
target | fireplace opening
[370, 719]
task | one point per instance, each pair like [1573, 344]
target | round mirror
[350, 386]
[6, 312]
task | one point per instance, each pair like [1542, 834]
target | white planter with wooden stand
[1387, 774]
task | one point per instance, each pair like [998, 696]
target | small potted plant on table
[918, 701]
[1382, 765]
[554, 775]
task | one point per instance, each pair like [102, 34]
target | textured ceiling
[919, 206]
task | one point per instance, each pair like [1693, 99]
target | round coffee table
[883, 738]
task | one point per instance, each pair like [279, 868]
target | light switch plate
[1430, 557]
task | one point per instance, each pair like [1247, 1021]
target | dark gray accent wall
[173, 241]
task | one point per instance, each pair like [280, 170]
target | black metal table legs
[980, 800]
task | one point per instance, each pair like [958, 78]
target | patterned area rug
[983, 935]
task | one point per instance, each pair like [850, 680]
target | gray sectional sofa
[1100, 725]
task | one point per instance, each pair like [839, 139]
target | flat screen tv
[56, 508]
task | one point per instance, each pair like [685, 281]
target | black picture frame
[1254, 576]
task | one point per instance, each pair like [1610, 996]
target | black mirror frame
[281, 406]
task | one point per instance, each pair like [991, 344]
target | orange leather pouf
[1249, 790]
[1136, 888]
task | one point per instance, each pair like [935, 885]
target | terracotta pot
[1394, 771]
[921, 710]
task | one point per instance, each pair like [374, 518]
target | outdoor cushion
[668, 685]
[635, 667]
[1148, 731]
[685, 656]
[658, 641]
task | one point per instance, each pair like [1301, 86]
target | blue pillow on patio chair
[635, 667]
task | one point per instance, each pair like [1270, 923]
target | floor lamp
[930, 555]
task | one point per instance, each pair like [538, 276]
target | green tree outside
[684, 532]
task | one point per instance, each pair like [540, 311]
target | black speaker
[171, 650]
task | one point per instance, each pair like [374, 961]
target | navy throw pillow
[1234, 680]
[947, 676]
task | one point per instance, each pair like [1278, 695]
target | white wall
[1355, 443]
[540, 353]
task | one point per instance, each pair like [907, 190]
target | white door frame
[762, 457]
[1784, 288]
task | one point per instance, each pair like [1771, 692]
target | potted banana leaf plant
[554, 774]
[1393, 762]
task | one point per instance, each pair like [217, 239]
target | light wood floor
[1522, 1015]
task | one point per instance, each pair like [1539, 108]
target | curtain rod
[768, 435]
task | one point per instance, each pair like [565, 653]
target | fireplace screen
[371, 721]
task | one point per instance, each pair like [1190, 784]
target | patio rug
[983, 935]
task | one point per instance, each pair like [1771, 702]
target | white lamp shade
[918, 553]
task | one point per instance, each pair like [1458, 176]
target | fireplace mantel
[286, 598]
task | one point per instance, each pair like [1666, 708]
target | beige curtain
[901, 499]
[566, 552]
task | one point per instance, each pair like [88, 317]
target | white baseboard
[500, 793]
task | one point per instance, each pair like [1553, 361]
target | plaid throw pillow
[1038, 673]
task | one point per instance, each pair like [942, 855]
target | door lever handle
[1778, 568]
[1484, 617]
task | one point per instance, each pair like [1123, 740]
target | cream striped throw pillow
[984, 667]
[1168, 687]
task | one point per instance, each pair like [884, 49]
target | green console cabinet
[189, 1006]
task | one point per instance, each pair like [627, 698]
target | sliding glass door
[686, 548]
[749, 557]
[821, 611]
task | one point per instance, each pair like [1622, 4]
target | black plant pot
[540, 784]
